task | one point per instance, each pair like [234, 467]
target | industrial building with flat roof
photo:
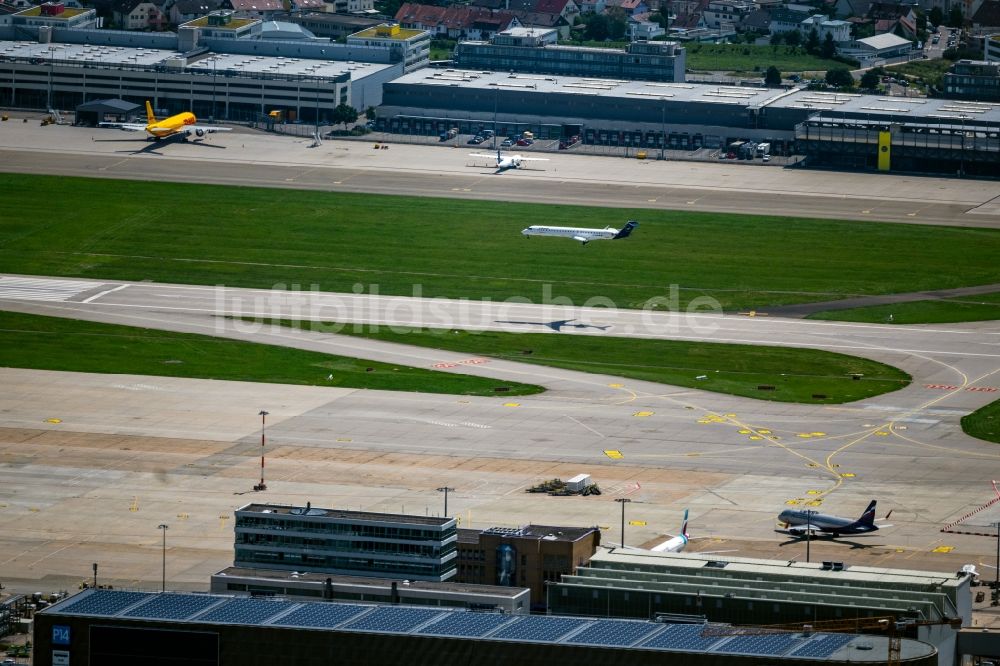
[211, 85]
[638, 584]
[352, 543]
[686, 115]
[107, 628]
[308, 586]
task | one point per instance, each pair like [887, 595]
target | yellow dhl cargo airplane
[181, 125]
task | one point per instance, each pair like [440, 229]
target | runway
[90, 464]
[266, 160]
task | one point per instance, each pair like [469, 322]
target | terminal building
[532, 556]
[919, 134]
[633, 584]
[112, 628]
[350, 543]
[531, 50]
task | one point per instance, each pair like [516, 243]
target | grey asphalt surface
[735, 461]
[806, 309]
[352, 166]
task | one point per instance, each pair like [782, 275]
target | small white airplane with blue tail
[504, 162]
[581, 234]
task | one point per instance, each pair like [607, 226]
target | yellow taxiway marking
[511, 404]
[848, 475]
[793, 502]
[641, 414]
[814, 492]
[223, 517]
[134, 506]
[756, 437]
[637, 523]
[730, 416]
[764, 432]
[818, 434]
[744, 432]
[882, 433]
[616, 385]
[53, 420]
[183, 516]
[815, 502]
[804, 435]
[943, 549]
[613, 454]
[344, 439]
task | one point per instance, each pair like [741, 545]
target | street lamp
[445, 490]
[809, 513]
[163, 585]
[263, 428]
[623, 501]
[996, 581]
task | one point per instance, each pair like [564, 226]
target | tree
[812, 41]
[793, 38]
[597, 28]
[840, 77]
[776, 39]
[617, 24]
[870, 79]
[955, 17]
[829, 47]
[660, 19]
[936, 16]
[772, 79]
[344, 114]
[371, 113]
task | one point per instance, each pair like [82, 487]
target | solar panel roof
[455, 623]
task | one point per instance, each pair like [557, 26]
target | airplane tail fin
[627, 229]
[150, 118]
[684, 525]
[868, 517]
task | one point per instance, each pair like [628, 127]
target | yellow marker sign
[744, 432]
[943, 549]
[183, 516]
[511, 404]
[134, 506]
[884, 151]
[53, 420]
[814, 492]
[344, 439]
[817, 434]
[814, 502]
[764, 432]
[804, 435]
[755, 437]
[637, 523]
[848, 475]
[643, 414]
[882, 433]
[793, 502]
[616, 385]
[614, 454]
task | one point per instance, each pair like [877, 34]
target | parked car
[525, 142]
[766, 158]
[476, 140]
[507, 143]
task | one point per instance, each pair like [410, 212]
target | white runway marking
[104, 293]
[41, 289]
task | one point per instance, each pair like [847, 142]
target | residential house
[840, 30]
[897, 19]
[138, 15]
[456, 21]
[853, 8]
[261, 9]
[591, 6]
[987, 17]
[630, 7]
[786, 20]
[183, 11]
[306, 5]
[759, 21]
[351, 6]
[720, 13]
[640, 28]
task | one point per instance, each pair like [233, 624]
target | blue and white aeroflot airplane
[581, 234]
[798, 523]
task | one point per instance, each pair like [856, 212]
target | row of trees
[839, 77]
[824, 48]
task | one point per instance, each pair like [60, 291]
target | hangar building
[932, 135]
[634, 584]
[112, 628]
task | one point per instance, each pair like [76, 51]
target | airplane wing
[490, 156]
[128, 127]
[581, 239]
[534, 159]
[205, 128]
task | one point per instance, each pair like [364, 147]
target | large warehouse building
[112, 628]
[919, 134]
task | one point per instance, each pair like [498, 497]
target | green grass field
[754, 58]
[931, 71]
[797, 375]
[53, 343]
[984, 307]
[984, 423]
[256, 237]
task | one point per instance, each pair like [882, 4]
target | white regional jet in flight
[504, 162]
[581, 234]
